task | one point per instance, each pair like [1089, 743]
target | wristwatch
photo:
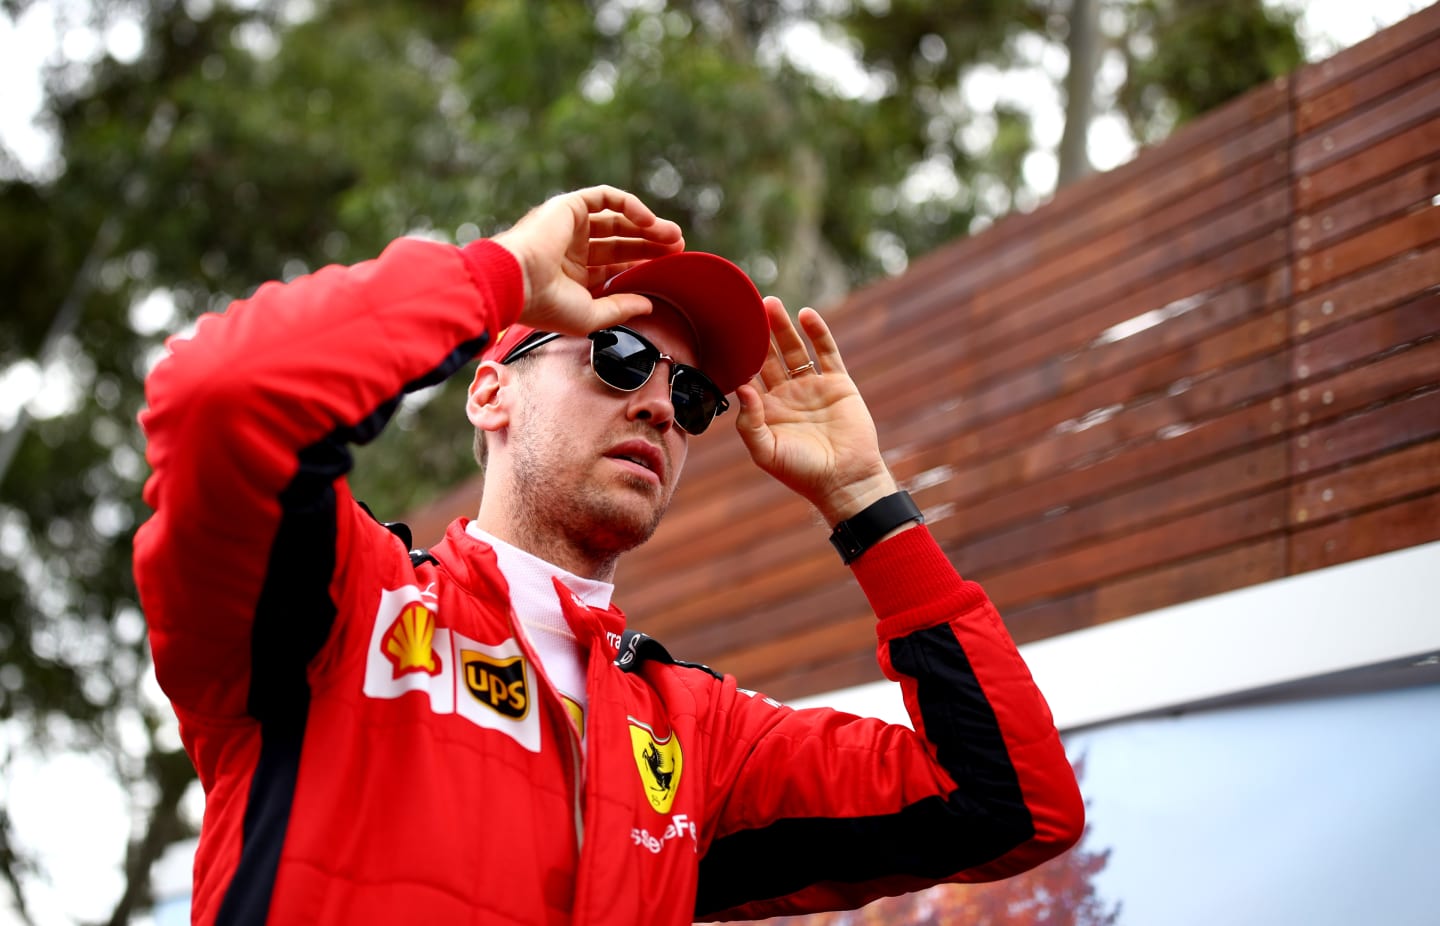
[856, 534]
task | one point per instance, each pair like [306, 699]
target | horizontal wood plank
[1367, 484]
[1406, 523]
[721, 636]
[1155, 462]
[1145, 504]
[1318, 188]
[1409, 191]
[1351, 63]
[1408, 275]
[858, 668]
[1372, 431]
[1410, 231]
[817, 646]
[1222, 148]
[1406, 66]
[1384, 332]
[1201, 577]
[1384, 119]
[1195, 534]
[1390, 377]
[1197, 577]
[995, 354]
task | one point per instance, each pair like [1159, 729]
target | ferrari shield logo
[659, 762]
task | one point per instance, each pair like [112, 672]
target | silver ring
[801, 368]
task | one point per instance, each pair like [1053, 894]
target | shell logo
[408, 644]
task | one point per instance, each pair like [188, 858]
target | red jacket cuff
[911, 584]
[497, 273]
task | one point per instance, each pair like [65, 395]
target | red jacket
[377, 743]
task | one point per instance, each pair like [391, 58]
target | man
[471, 734]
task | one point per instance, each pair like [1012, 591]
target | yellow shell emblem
[659, 761]
[409, 643]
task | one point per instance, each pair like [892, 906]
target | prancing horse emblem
[659, 761]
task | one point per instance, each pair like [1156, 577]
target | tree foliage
[258, 141]
[1186, 57]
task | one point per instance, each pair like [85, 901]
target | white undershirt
[537, 606]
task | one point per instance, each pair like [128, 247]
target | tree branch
[11, 866]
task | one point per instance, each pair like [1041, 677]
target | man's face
[588, 461]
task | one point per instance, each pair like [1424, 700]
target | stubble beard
[589, 520]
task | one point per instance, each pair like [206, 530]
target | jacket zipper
[577, 786]
[571, 745]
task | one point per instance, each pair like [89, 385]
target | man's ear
[483, 400]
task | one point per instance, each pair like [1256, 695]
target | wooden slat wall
[1213, 367]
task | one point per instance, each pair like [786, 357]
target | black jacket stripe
[293, 618]
[933, 838]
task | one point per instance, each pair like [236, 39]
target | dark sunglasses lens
[696, 400]
[623, 360]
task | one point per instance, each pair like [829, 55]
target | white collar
[528, 574]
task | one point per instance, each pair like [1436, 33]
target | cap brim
[719, 301]
[507, 340]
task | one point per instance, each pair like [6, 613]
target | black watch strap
[857, 534]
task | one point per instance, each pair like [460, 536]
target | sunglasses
[624, 360]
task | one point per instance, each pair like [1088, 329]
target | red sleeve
[830, 811]
[248, 426]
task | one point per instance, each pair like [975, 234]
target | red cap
[719, 301]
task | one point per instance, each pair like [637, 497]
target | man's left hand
[805, 423]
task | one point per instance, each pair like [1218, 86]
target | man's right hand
[572, 243]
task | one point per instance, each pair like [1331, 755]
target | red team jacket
[378, 744]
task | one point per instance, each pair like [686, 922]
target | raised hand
[805, 423]
[572, 243]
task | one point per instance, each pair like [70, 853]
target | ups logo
[497, 683]
[659, 761]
